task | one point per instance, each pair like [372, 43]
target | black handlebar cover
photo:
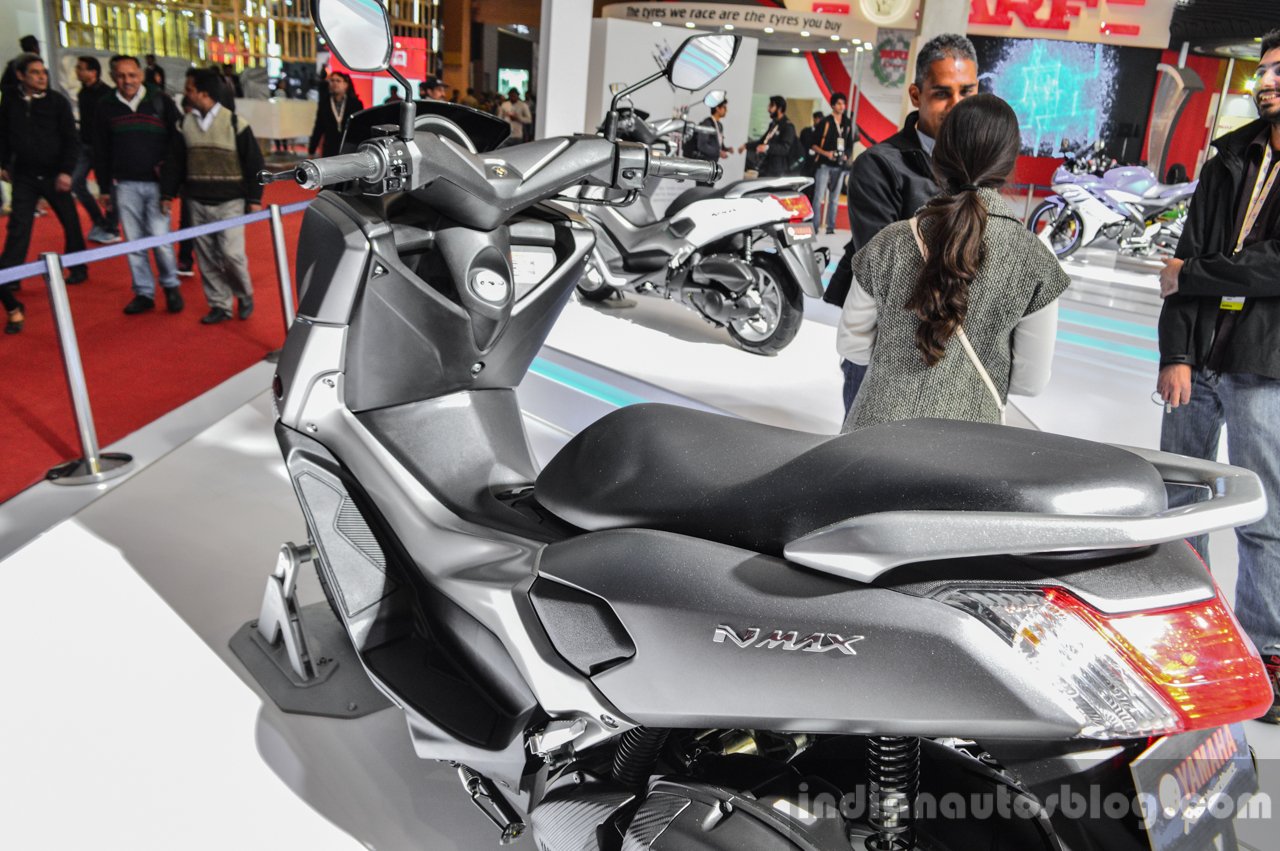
[364, 164]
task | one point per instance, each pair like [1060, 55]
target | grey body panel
[671, 593]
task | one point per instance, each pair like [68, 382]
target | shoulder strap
[964, 338]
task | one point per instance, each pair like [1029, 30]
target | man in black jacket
[38, 148]
[1220, 341]
[808, 138]
[106, 229]
[710, 145]
[777, 149]
[893, 179]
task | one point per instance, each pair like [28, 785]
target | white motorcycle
[742, 255]
[1127, 204]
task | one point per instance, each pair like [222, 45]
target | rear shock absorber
[893, 768]
[637, 754]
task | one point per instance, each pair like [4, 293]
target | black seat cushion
[759, 487]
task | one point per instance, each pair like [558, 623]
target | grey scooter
[696, 632]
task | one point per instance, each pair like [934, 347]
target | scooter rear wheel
[781, 309]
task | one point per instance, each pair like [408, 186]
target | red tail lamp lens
[797, 205]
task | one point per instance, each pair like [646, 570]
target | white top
[1033, 340]
[515, 113]
[206, 120]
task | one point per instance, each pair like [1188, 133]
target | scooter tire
[790, 314]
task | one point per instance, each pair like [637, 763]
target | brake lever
[265, 176]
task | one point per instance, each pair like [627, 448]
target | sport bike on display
[691, 631]
[742, 255]
[1126, 204]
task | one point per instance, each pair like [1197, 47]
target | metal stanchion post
[282, 274]
[94, 467]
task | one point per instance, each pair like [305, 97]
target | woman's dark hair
[977, 147]
[342, 75]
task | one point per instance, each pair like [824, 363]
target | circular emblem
[490, 286]
[889, 59]
[884, 12]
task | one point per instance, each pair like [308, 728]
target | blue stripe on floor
[584, 383]
[1122, 349]
[1106, 323]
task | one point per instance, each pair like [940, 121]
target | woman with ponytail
[957, 307]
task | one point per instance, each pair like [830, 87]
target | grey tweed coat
[1019, 276]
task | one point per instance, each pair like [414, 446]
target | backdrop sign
[1129, 23]
[855, 24]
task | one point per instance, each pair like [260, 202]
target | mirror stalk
[408, 109]
[611, 120]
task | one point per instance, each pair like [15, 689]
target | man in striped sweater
[133, 133]
[215, 165]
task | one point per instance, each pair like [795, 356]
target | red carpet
[138, 368]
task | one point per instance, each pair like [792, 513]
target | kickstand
[279, 618]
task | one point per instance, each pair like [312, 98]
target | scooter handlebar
[363, 164]
[702, 171]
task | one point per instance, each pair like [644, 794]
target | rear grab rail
[865, 547]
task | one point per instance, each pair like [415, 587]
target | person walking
[516, 113]
[777, 149]
[106, 227]
[332, 114]
[1220, 343]
[957, 307]
[215, 165]
[893, 179]
[28, 44]
[134, 135]
[808, 138]
[831, 152]
[38, 150]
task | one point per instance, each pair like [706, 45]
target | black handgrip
[702, 171]
[327, 171]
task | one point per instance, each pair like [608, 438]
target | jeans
[853, 375]
[80, 189]
[224, 268]
[27, 189]
[827, 185]
[139, 204]
[1249, 406]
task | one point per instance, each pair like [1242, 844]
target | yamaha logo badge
[490, 286]
[787, 639]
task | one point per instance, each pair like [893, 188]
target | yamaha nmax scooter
[696, 632]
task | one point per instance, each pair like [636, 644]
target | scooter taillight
[1135, 674]
[797, 205]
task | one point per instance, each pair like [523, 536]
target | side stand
[301, 655]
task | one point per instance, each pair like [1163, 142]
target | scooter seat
[759, 487]
[736, 189]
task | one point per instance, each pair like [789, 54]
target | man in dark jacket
[808, 137]
[830, 149]
[777, 150]
[332, 114]
[28, 44]
[133, 135]
[38, 148]
[893, 179]
[710, 144]
[1220, 342]
[106, 229]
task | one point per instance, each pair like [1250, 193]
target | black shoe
[244, 307]
[140, 304]
[214, 316]
[78, 275]
[13, 326]
[831, 230]
[173, 300]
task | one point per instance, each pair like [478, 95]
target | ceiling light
[822, 50]
[844, 50]
[657, 23]
[835, 38]
[768, 29]
[804, 33]
[728, 26]
[795, 50]
[689, 24]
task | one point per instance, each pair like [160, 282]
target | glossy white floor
[130, 725]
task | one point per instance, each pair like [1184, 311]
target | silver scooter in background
[692, 631]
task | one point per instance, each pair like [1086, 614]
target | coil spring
[637, 754]
[893, 768]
